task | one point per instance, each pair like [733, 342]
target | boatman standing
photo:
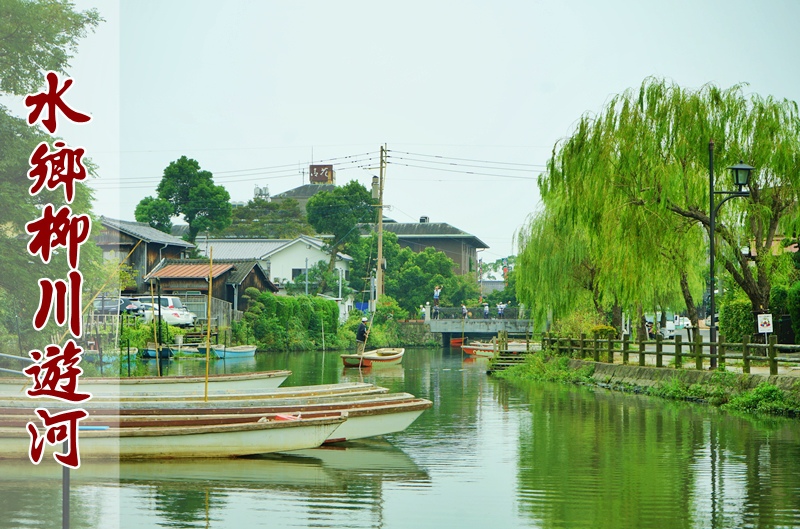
[361, 336]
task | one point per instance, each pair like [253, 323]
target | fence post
[558, 346]
[773, 363]
[610, 350]
[641, 351]
[721, 352]
[746, 354]
[625, 345]
[659, 350]
[583, 346]
[698, 352]
[678, 351]
[595, 350]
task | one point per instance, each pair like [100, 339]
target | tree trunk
[691, 308]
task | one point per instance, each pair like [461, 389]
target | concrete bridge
[477, 328]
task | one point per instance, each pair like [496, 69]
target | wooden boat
[201, 348]
[236, 397]
[456, 342]
[195, 438]
[368, 416]
[167, 385]
[237, 351]
[487, 349]
[384, 356]
[164, 351]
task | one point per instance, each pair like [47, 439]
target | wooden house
[230, 278]
[140, 246]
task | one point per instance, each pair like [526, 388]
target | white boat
[368, 416]
[237, 351]
[488, 349]
[201, 348]
[384, 356]
[237, 397]
[259, 435]
[161, 386]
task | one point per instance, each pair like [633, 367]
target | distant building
[285, 259]
[458, 245]
[303, 193]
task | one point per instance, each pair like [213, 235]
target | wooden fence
[684, 354]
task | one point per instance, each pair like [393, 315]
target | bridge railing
[474, 313]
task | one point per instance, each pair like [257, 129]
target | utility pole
[379, 272]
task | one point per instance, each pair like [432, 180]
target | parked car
[173, 311]
[117, 306]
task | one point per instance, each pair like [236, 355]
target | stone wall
[650, 376]
[417, 333]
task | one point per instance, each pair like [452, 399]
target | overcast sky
[468, 97]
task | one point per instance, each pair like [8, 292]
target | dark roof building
[229, 278]
[458, 245]
[303, 193]
[141, 246]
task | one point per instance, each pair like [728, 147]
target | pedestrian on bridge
[436, 292]
[500, 308]
[485, 311]
[463, 311]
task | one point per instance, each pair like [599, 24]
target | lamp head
[741, 174]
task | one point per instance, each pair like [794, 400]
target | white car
[172, 310]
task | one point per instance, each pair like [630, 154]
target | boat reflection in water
[204, 491]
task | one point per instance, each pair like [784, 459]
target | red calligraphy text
[51, 100]
[63, 166]
[53, 298]
[60, 229]
[55, 373]
[60, 427]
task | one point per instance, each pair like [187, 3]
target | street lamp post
[741, 176]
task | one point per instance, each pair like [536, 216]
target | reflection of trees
[187, 502]
[597, 459]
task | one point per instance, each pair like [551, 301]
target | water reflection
[486, 455]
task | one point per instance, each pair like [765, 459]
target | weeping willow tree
[630, 188]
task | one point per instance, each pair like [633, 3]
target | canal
[485, 456]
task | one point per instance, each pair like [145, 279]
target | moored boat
[488, 349]
[161, 386]
[384, 356]
[368, 415]
[199, 438]
[153, 351]
[237, 351]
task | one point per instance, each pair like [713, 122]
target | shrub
[793, 306]
[736, 320]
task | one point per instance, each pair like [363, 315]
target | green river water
[487, 455]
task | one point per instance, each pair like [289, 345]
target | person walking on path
[361, 336]
[463, 311]
[436, 292]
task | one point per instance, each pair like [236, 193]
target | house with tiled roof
[229, 278]
[458, 245]
[285, 259]
[140, 246]
[303, 193]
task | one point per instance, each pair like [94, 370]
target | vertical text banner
[55, 371]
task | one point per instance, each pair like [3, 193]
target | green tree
[269, 220]
[339, 213]
[632, 183]
[34, 36]
[157, 212]
[37, 36]
[192, 193]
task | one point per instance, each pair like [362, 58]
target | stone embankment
[628, 375]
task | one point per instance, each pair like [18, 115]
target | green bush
[765, 398]
[793, 306]
[736, 320]
[779, 300]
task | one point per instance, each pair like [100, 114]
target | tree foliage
[626, 200]
[37, 36]
[269, 220]
[191, 192]
[338, 213]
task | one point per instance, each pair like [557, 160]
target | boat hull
[166, 385]
[239, 351]
[378, 357]
[226, 440]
